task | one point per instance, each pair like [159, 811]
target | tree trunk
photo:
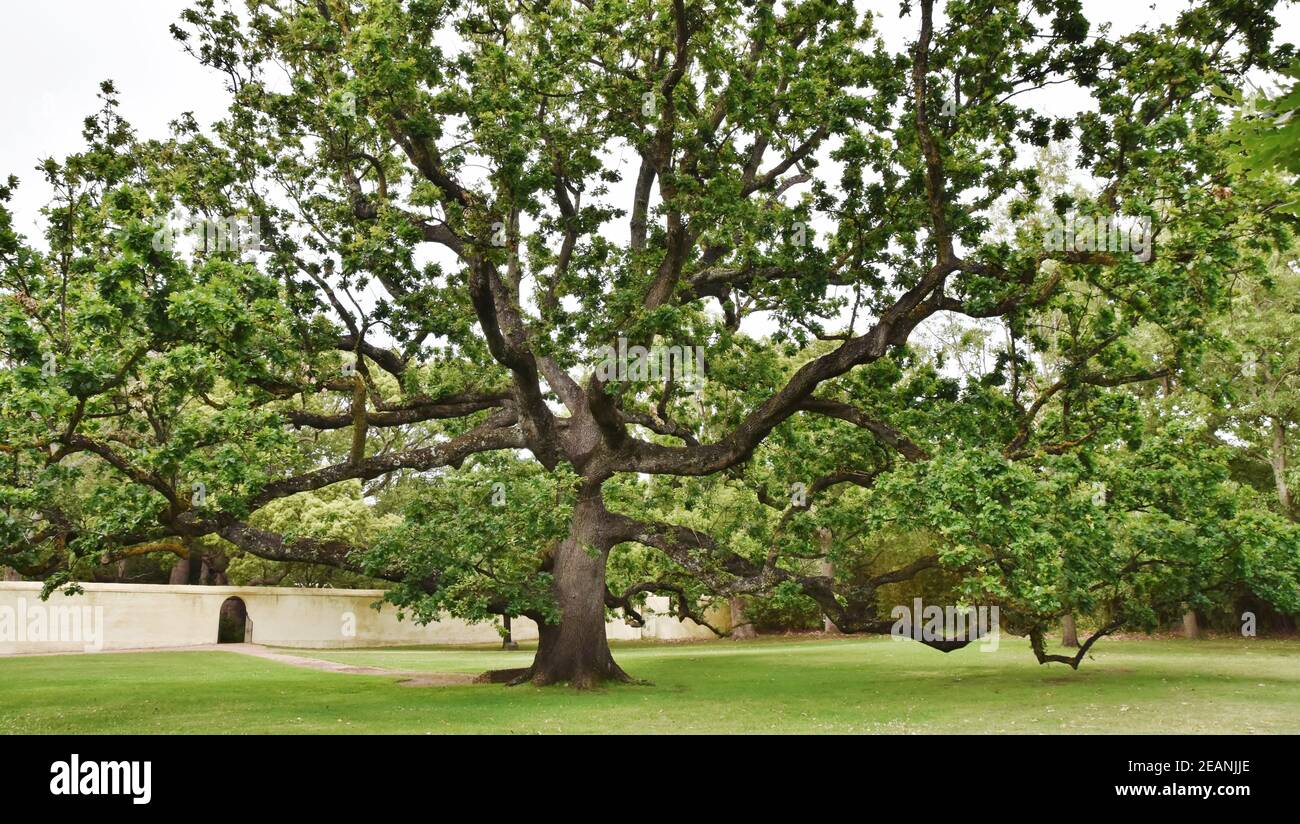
[10, 574]
[1069, 633]
[828, 570]
[1277, 457]
[741, 628]
[214, 566]
[576, 651]
[1190, 627]
[180, 572]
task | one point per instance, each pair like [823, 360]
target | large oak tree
[463, 204]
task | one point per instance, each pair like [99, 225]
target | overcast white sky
[53, 56]
[54, 53]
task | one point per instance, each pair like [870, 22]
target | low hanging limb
[727, 573]
[1040, 649]
[175, 547]
[678, 599]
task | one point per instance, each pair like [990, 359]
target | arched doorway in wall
[233, 625]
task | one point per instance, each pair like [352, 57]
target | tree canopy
[461, 208]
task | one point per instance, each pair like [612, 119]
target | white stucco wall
[144, 616]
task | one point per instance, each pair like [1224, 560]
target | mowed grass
[770, 685]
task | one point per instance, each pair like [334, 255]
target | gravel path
[410, 678]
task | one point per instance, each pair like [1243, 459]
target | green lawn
[777, 685]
